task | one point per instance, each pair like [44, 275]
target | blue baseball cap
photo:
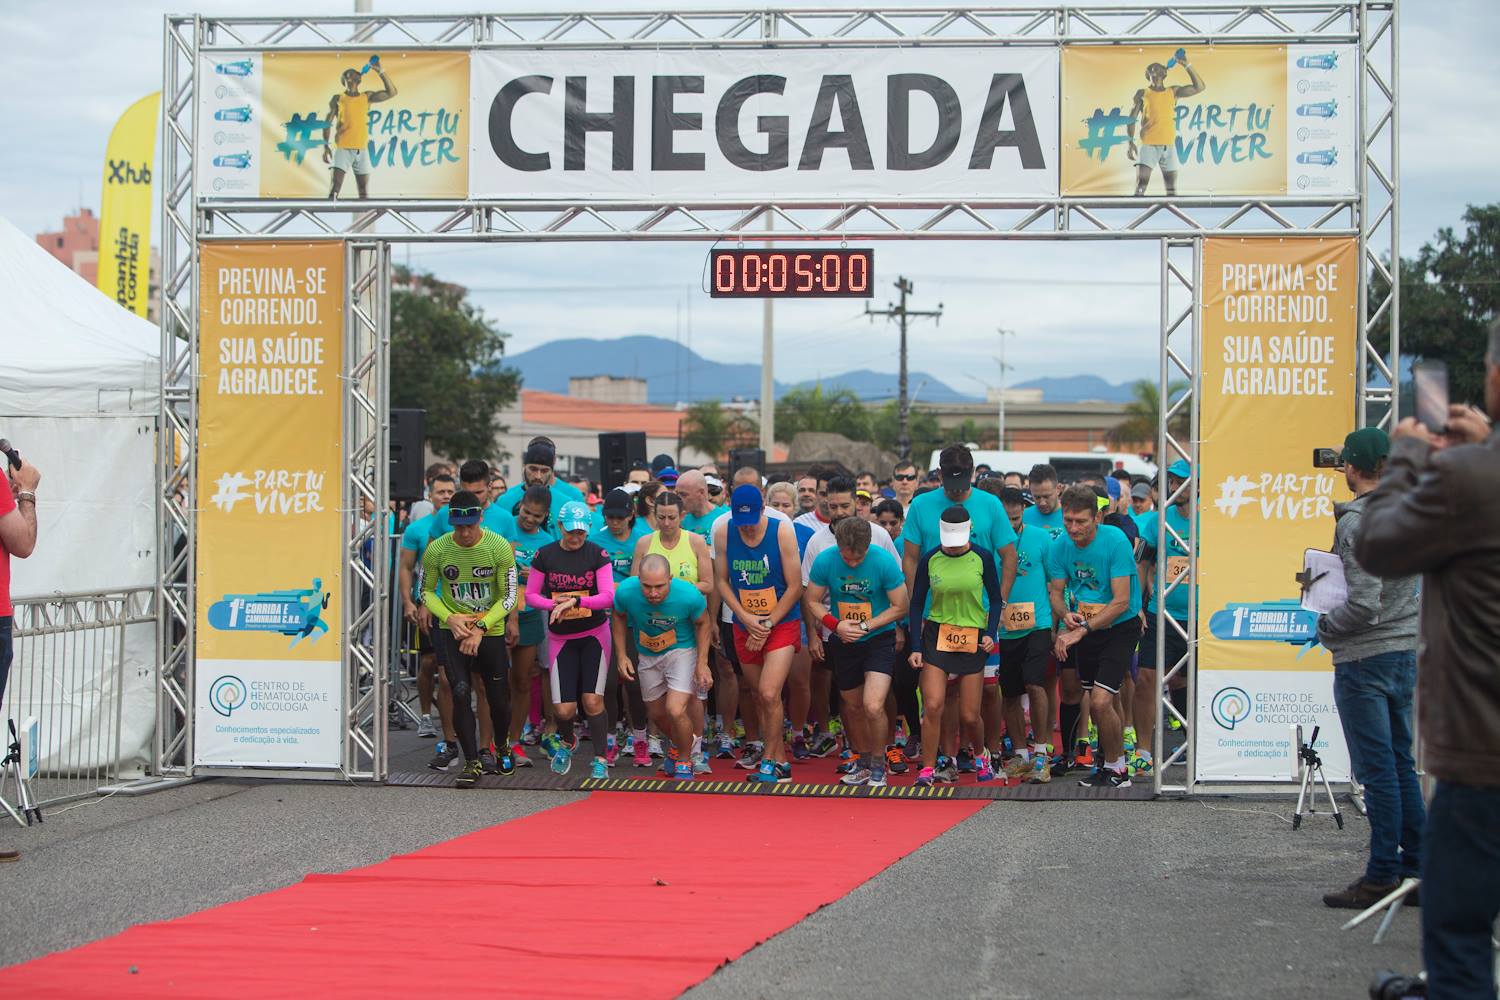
[575, 516]
[746, 505]
[1181, 468]
[1112, 487]
[667, 476]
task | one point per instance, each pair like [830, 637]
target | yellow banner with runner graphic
[1279, 349]
[270, 474]
[125, 207]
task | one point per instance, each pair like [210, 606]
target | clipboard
[1322, 580]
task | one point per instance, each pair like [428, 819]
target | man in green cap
[1372, 637]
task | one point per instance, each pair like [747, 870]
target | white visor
[954, 534]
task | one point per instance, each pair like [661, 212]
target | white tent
[78, 398]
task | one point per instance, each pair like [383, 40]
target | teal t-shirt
[416, 538]
[990, 527]
[526, 546]
[561, 493]
[620, 553]
[867, 583]
[1051, 523]
[683, 604]
[1089, 570]
[1177, 600]
[1031, 581]
[703, 526]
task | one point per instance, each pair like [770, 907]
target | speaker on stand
[408, 439]
[755, 458]
[618, 451]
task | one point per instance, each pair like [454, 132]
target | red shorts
[788, 633]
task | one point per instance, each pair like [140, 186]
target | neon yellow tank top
[1160, 107]
[354, 122]
[682, 558]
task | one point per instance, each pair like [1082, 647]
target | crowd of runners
[918, 626]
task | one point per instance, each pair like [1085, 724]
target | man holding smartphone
[1437, 512]
[17, 538]
[1372, 638]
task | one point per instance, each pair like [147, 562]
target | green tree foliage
[446, 358]
[835, 412]
[885, 429]
[1449, 293]
[710, 428]
[1143, 415]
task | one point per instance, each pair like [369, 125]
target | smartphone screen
[1430, 387]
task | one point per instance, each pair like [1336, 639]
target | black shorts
[578, 665]
[1176, 645]
[492, 662]
[850, 661]
[726, 639]
[1023, 661]
[1104, 656]
[957, 664]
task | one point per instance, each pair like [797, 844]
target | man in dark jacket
[1437, 512]
[1372, 637]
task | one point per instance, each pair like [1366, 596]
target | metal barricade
[70, 673]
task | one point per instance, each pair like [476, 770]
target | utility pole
[767, 367]
[1003, 369]
[902, 315]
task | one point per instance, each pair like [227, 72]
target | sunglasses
[465, 511]
[905, 477]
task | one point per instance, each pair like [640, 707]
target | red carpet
[610, 896]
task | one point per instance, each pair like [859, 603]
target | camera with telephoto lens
[1388, 985]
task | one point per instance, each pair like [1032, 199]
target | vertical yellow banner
[1279, 348]
[125, 207]
[270, 473]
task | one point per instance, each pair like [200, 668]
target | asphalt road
[1088, 899]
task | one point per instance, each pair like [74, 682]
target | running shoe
[1060, 766]
[1140, 763]
[471, 772]
[913, 750]
[765, 773]
[1083, 755]
[1130, 740]
[507, 763]
[682, 771]
[529, 735]
[783, 773]
[750, 757]
[641, 754]
[522, 759]
[488, 762]
[877, 777]
[1174, 723]
[1103, 777]
[966, 764]
[799, 747]
[599, 769]
[726, 747]
[611, 751]
[924, 778]
[824, 744]
[562, 760]
[983, 771]
[1007, 746]
[443, 759]
[847, 766]
[426, 728]
[1093, 736]
[836, 726]
[653, 746]
[1041, 771]
[1019, 768]
[700, 764]
[895, 760]
[551, 744]
[858, 775]
[739, 729]
[945, 771]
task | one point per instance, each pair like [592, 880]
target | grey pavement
[1210, 898]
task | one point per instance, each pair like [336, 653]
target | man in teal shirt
[539, 458]
[474, 476]
[1045, 493]
[414, 542]
[699, 511]
[1178, 516]
[1025, 643]
[1095, 562]
[990, 528]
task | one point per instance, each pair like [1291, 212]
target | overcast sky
[72, 66]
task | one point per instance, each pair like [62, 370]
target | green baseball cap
[1364, 448]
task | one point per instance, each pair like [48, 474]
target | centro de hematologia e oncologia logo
[226, 694]
[1230, 707]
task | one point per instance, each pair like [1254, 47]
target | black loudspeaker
[408, 434]
[755, 458]
[618, 451]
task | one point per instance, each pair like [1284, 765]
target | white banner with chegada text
[765, 124]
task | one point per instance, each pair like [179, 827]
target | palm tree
[713, 430]
[1143, 415]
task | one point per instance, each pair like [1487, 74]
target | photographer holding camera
[1372, 638]
[17, 538]
[1437, 512]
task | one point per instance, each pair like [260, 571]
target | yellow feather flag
[125, 207]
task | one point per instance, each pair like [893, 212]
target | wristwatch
[864, 627]
[26, 495]
[480, 625]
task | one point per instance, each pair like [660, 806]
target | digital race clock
[795, 274]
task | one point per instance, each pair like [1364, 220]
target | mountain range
[673, 372]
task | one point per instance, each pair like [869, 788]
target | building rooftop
[587, 414]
